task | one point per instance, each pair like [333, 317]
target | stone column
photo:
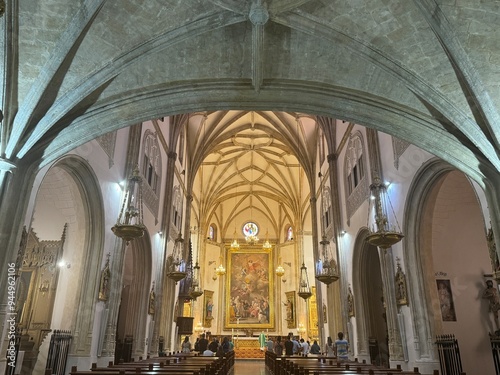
[387, 267]
[16, 182]
[161, 312]
[113, 303]
[338, 293]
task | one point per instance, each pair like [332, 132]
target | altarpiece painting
[250, 283]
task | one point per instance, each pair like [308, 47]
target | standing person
[262, 340]
[278, 347]
[225, 344]
[288, 346]
[341, 347]
[197, 345]
[270, 344]
[202, 344]
[329, 351]
[296, 345]
[186, 345]
[305, 347]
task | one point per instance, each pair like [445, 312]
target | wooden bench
[296, 365]
[172, 365]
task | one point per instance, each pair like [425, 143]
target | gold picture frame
[208, 305]
[290, 312]
[250, 289]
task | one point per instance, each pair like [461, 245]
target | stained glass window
[250, 229]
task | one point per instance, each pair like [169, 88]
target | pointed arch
[93, 207]
[424, 181]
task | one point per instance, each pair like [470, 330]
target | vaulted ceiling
[427, 71]
[252, 166]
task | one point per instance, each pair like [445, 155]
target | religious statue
[492, 248]
[491, 294]
[289, 310]
[400, 285]
[209, 309]
[152, 300]
[350, 303]
[104, 283]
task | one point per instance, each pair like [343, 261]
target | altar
[247, 347]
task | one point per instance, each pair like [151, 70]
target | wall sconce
[289, 264]
[301, 329]
[199, 328]
[220, 271]
[280, 271]
[63, 264]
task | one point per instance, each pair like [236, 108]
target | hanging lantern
[129, 224]
[195, 290]
[383, 232]
[177, 269]
[326, 268]
[304, 288]
[235, 245]
[267, 245]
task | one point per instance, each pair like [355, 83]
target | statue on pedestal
[491, 294]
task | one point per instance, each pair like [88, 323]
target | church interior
[249, 168]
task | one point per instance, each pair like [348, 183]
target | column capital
[6, 165]
[172, 155]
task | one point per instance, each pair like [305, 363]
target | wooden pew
[172, 365]
[296, 365]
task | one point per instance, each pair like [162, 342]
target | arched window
[151, 171]
[355, 181]
[289, 233]
[151, 161]
[177, 208]
[180, 151]
[355, 166]
[321, 137]
[327, 208]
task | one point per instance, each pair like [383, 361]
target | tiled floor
[249, 367]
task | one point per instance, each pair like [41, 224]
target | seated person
[315, 348]
[208, 353]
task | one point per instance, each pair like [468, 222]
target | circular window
[250, 229]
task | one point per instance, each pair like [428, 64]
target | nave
[249, 367]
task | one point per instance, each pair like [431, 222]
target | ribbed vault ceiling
[427, 71]
[252, 166]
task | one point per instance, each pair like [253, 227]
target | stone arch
[88, 186]
[358, 287]
[425, 323]
[137, 280]
[423, 182]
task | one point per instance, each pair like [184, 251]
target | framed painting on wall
[290, 304]
[249, 286]
[208, 308]
[446, 300]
